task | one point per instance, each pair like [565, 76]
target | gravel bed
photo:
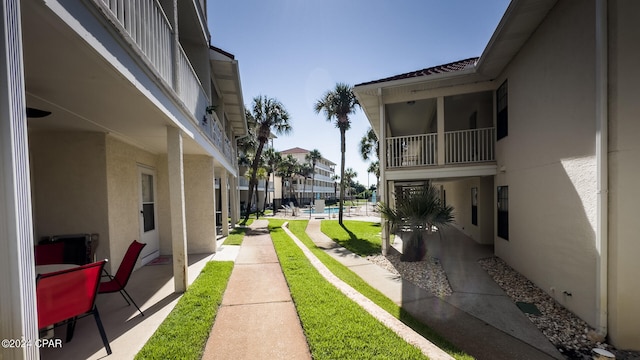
[573, 337]
[427, 274]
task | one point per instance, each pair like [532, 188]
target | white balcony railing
[414, 150]
[148, 27]
[469, 146]
[461, 147]
[145, 24]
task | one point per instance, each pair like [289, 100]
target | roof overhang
[518, 23]
[226, 74]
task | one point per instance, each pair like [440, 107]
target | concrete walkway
[257, 319]
[478, 318]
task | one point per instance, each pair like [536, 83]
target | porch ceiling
[83, 91]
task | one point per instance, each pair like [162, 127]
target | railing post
[440, 141]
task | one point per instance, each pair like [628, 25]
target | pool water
[328, 210]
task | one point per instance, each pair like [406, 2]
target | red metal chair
[120, 280]
[50, 253]
[67, 295]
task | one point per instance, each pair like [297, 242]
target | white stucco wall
[548, 158]
[199, 209]
[624, 192]
[69, 185]
[459, 196]
[123, 190]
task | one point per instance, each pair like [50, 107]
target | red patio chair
[50, 253]
[67, 295]
[118, 282]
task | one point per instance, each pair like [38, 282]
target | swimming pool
[328, 210]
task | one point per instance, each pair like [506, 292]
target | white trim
[602, 124]
[17, 275]
[441, 172]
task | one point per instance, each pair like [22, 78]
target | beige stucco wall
[458, 194]
[199, 208]
[548, 158]
[69, 185]
[123, 190]
[624, 172]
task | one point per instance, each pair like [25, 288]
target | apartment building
[131, 118]
[323, 184]
[535, 145]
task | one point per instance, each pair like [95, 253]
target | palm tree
[335, 179]
[339, 104]
[369, 145]
[312, 157]
[269, 115]
[417, 210]
[304, 172]
[348, 177]
[286, 170]
[272, 160]
[374, 168]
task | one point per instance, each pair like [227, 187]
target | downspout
[382, 158]
[602, 124]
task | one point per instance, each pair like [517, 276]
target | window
[503, 111]
[474, 206]
[503, 212]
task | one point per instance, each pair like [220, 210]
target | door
[148, 214]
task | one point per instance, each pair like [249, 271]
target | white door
[148, 215]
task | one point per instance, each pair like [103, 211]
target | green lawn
[360, 237]
[184, 333]
[247, 222]
[236, 236]
[335, 326]
[298, 227]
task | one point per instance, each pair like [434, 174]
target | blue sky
[296, 50]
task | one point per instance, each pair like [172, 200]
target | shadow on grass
[358, 245]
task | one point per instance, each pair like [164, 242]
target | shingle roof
[446, 68]
[295, 150]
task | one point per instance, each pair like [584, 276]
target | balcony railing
[145, 24]
[148, 27]
[414, 150]
[461, 147]
[469, 146]
[244, 182]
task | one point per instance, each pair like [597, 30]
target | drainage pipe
[601, 112]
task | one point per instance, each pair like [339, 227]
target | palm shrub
[417, 211]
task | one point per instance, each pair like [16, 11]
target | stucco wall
[199, 209]
[624, 192]
[548, 158]
[123, 190]
[459, 196]
[69, 185]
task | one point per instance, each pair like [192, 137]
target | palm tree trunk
[342, 149]
[266, 193]
[254, 174]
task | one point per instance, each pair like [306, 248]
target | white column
[441, 147]
[224, 201]
[235, 201]
[175, 164]
[382, 191]
[17, 276]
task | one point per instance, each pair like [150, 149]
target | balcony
[460, 147]
[144, 25]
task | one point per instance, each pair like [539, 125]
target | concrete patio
[151, 287]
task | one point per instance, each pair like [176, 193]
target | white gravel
[427, 274]
[570, 334]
